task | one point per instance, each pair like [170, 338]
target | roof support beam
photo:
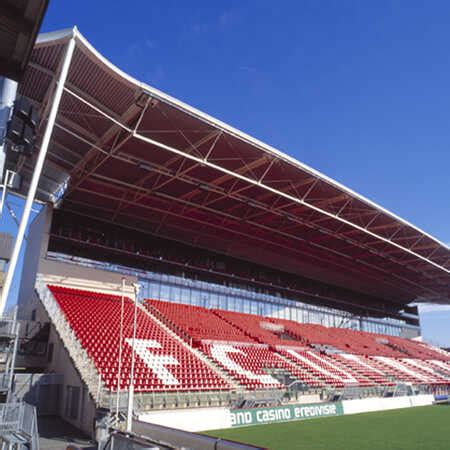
[214, 135]
[251, 181]
[238, 219]
[75, 89]
[252, 223]
[362, 262]
[294, 199]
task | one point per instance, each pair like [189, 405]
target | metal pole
[13, 361]
[119, 369]
[37, 174]
[4, 186]
[8, 89]
[131, 387]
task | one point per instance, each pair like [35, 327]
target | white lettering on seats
[441, 364]
[422, 366]
[220, 353]
[156, 363]
[346, 378]
[361, 361]
[397, 365]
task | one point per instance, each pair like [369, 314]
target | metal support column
[8, 89]
[13, 360]
[137, 288]
[37, 172]
[119, 369]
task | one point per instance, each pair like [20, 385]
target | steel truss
[254, 192]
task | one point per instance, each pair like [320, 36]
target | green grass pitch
[421, 428]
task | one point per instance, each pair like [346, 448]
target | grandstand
[184, 348]
[181, 260]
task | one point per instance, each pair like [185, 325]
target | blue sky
[358, 90]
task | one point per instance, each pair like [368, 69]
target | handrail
[21, 419]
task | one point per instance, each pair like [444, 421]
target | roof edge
[52, 37]
[65, 34]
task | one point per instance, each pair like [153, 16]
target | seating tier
[256, 366]
[261, 329]
[162, 363]
[198, 323]
[257, 352]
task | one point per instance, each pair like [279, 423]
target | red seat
[95, 319]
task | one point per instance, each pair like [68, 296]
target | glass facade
[179, 289]
[210, 295]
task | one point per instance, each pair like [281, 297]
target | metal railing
[9, 327]
[357, 392]
[168, 439]
[9, 338]
[18, 424]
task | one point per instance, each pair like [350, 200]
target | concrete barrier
[202, 419]
[194, 419]
[382, 404]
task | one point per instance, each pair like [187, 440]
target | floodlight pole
[37, 172]
[137, 288]
[119, 371]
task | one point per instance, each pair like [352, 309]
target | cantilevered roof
[19, 25]
[129, 154]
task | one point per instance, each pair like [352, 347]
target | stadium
[182, 277]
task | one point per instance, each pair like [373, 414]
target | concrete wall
[69, 275]
[36, 248]
[62, 364]
[203, 419]
[382, 404]
[6, 241]
[41, 390]
[79, 277]
[194, 419]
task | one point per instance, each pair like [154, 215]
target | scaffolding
[18, 427]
